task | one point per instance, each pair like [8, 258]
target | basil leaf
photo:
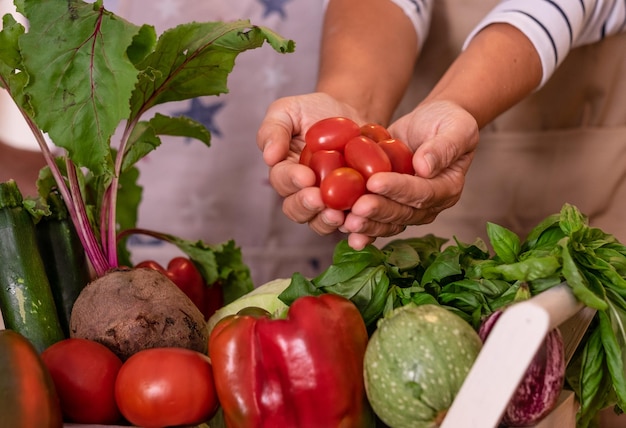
[505, 243]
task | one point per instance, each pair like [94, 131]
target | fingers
[274, 136]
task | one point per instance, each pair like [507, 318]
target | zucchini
[26, 300]
[28, 397]
[64, 258]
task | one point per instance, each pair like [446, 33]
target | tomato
[84, 374]
[183, 272]
[305, 155]
[375, 132]
[342, 187]
[366, 156]
[161, 387]
[324, 161]
[399, 154]
[331, 133]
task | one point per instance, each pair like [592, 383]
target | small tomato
[399, 154]
[161, 387]
[342, 187]
[324, 161]
[84, 374]
[331, 133]
[375, 131]
[366, 156]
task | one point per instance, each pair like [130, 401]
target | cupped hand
[444, 137]
[281, 138]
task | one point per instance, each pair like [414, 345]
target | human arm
[511, 53]
[367, 56]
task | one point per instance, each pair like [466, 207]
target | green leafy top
[80, 73]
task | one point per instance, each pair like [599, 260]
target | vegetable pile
[473, 283]
[384, 336]
[81, 76]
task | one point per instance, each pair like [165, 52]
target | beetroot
[539, 390]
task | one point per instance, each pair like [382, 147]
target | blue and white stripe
[557, 26]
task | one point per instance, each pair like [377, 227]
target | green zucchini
[64, 258]
[26, 300]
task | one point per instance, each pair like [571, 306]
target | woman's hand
[444, 137]
[281, 138]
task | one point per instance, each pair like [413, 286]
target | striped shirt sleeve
[420, 13]
[556, 26]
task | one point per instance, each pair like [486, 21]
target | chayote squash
[415, 364]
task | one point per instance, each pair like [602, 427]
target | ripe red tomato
[331, 133]
[305, 155]
[366, 156]
[161, 387]
[375, 132]
[84, 374]
[342, 187]
[324, 161]
[399, 154]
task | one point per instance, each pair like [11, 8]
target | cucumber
[64, 258]
[26, 300]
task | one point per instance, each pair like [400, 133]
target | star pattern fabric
[222, 192]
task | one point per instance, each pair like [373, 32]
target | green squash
[415, 364]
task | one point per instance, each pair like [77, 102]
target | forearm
[497, 69]
[368, 52]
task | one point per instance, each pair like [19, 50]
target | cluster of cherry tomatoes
[344, 155]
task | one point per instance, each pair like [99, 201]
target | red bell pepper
[302, 371]
[184, 273]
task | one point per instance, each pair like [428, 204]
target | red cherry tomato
[342, 187]
[324, 161]
[331, 133]
[183, 272]
[366, 156]
[375, 132]
[399, 154]
[305, 155]
[162, 387]
[84, 374]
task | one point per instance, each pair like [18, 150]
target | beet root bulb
[129, 310]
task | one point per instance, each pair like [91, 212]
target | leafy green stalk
[81, 71]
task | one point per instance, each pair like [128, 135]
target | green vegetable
[80, 73]
[64, 258]
[26, 300]
[415, 364]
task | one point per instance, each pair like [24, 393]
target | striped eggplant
[539, 390]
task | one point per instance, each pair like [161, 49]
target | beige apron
[564, 143]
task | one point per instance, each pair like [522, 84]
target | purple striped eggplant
[539, 389]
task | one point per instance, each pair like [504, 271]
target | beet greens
[80, 73]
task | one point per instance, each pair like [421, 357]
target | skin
[498, 69]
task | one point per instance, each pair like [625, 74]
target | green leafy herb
[80, 74]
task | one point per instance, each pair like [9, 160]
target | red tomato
[305, 155]
[324, 161]
[84, 374]
[375, 132]
[161, 387]
[366, 156]
[399, 154]
[342, 187]
[331, 133]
